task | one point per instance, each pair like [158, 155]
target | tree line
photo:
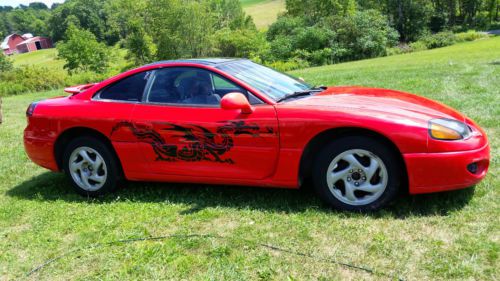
[313, 32]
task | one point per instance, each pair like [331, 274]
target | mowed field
[453, 235]
[263, 12]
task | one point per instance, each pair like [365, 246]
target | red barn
[10, 42]
[34, 44]
[16, 43]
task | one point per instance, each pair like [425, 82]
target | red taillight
[31, 109]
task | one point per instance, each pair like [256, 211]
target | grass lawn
[452, 235]
[46, 58]
[263, 12]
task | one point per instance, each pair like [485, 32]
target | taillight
[31, 109]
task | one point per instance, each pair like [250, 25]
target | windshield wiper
[303, 93]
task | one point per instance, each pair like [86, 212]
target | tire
[357, 173]
[91, 166]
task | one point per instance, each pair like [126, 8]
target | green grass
[263, 12]
[246, 3]
[46, 58]
[452, 235]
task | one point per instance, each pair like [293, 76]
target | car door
[180, 132]
[112, 108]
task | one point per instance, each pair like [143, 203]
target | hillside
[263, 12]
[47, 58]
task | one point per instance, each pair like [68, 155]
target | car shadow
[54, 186]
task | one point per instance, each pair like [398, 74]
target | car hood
[372, 100]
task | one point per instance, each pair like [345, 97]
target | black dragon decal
[198, 143]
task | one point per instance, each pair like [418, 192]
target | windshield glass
[268, 81]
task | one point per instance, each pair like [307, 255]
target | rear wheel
[90, 166]
[357, 174]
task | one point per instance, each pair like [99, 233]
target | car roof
[204, 61]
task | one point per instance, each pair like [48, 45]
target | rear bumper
[435, 172]
[40, 151]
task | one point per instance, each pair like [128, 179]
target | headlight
[448, 129]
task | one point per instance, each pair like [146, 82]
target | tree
[5, 63]
[82, 51]
[139, 44]
[90, 14]
[241, 43]
[365, 34]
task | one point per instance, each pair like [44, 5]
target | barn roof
[5, 42]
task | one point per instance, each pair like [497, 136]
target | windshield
[268, 81]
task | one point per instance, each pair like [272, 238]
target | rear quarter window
[127, 89]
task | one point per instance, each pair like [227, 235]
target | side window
[128, 89]
[223, 86]
[183, 85]
[190, 86]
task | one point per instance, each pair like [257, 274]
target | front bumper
[435, 172]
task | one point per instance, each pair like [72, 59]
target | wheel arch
[71, 133]
[314, 146]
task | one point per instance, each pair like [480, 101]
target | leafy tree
[91, 16]
[229, 13]
[82, 51]
[243, 43]
[180, 28]
[5, 63]
[139, 44]
[365, 34]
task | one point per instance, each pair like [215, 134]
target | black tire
[391, 161]
[113, 170]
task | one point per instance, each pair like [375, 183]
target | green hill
[47, 58]
[263, 12]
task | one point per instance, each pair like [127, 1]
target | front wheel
[357, 174]
[90, 166]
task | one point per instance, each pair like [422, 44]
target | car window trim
[97, 95]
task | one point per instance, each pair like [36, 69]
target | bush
[241, 43]
[28, 78]
[418, 46]
[5, 63]
[288, 65]
[470, 35]
[438, 40]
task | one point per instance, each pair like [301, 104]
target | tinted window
[127, 89]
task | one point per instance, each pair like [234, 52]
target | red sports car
[232, 121]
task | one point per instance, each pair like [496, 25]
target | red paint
[272, 159]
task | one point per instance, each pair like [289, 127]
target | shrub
[417, 46]
[242, 43]
[29, 78]
[288, 65]
[5, 63]
[82, 52]
[438, 40]
[470, 35]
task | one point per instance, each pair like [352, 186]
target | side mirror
[235, 100]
